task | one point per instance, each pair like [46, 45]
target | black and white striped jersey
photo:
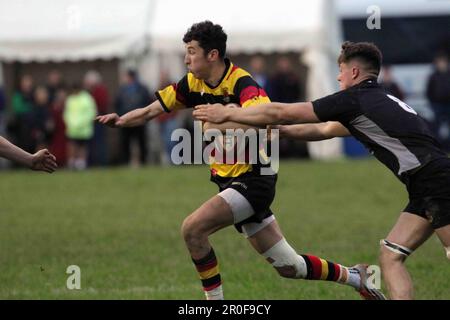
[388, 127]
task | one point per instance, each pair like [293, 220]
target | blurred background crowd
[59, 114]
[51, 101]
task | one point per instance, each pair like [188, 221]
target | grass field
[121, 227]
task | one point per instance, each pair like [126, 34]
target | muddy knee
[287, 271]
[189, 229]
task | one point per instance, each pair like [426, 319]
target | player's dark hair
[209, 36]
[366, 52]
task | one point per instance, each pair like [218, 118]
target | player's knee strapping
[252, 228]
[283, 255]
[447, 250]
[394, 247]
[305, 266]
[240, 207]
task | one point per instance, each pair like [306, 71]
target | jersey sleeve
[174, 96]
[249, 92]
[340, 106]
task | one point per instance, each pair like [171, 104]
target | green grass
[121, 227]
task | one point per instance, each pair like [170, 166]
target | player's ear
[355, 72]
[213, 55]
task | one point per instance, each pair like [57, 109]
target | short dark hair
[75, 87]
[366, 52]
[441, 55]
[132, 74]
[209, 36]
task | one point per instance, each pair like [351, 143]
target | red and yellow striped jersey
[236, 86]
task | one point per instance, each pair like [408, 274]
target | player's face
[196, 61]
[345, 76]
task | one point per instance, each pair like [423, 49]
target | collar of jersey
[370, 81]
[227, 69]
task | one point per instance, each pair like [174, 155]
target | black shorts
[429, 193]
[258, 190]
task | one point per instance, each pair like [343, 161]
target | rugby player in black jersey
[394, 134]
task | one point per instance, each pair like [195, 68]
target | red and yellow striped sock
[208, 270]
[320, 269]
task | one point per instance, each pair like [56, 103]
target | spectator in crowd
[42, 122]
[132, 95]
[20, 123]
[438, 93]
[58, 144]
[168, 122]
[258, 71]
[389, 84]
[284, 85]
[93, 83]
[79, 114]
[54, 83]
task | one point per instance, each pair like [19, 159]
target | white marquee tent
[71, 30]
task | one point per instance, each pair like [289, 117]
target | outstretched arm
[134, 118]
[314, 132]
[227, 125]
[42, 160]
[263, 114]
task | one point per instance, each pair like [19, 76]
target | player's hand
[215, 113]
[43, 160]
[111, 120]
